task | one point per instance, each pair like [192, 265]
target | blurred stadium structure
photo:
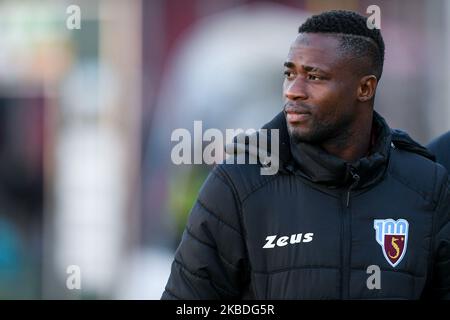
[86, 117]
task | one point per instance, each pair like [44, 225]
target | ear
[366, 88]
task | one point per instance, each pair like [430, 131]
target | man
[347, 198]
[441, 148]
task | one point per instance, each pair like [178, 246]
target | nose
[295, 90]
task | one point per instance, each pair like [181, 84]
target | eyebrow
[291, 65]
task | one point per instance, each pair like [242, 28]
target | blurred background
[86, 117]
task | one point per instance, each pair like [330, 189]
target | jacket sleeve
[441, 268]
[210, 261]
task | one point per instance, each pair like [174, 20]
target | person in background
[440, 146]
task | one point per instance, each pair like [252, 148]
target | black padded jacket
[312, 230]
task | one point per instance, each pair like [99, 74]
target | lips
[294, 117]
[296, 114]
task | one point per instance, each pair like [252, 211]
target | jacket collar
[319, 167]
[315, 164]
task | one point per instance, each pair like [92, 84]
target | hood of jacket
[316, 165]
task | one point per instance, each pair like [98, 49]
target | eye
[314, 77]
[288, 74]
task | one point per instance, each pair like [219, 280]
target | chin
[300, 134]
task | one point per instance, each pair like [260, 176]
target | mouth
[297, 115]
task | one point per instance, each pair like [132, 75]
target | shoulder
[440, 146]
[418, 172]
[245, 178]
[440, 143]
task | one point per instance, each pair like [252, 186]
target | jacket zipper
[346, 230]
[355, 178]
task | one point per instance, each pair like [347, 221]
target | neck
[353, 143]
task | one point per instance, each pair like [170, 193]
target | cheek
[328, 102]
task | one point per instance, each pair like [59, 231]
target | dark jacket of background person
[441, 148]
[222, 254]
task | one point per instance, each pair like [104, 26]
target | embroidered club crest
[392, 235]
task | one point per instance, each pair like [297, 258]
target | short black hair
[356, 38]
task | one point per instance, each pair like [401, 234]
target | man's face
[320, 89]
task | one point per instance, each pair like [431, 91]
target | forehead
[321, 50]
